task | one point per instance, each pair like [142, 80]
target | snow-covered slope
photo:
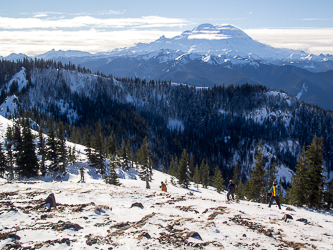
[93, 215]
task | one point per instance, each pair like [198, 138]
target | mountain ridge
[211, 55]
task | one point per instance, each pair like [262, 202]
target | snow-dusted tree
[28, 162]
[183, 171]
[41, 150]
[72, 155]
[124, 155]
[10, 155]
[111, 176]
[62, 148]
[146, 168]
[3, 162]
[98, 160]
[52, 151]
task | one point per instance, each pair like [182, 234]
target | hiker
[231, 190]
[163, 187]
[276, 191]
[147, 182]
[82, 173]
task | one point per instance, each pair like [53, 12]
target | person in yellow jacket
[276, 191]
[163, 187]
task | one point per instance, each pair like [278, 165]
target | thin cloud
[37, 42]
[88, 21]
[315, 19]
[315, 41]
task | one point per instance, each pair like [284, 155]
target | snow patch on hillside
[175, 124]
[9, 106]
[20, 78]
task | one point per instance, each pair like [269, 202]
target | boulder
[194, 235]
[137, 204]
[286, 217]
[51, 200]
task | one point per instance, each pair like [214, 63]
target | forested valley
[221, 126]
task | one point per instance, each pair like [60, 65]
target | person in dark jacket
[82, 173]
[275, 191]
[231, 190]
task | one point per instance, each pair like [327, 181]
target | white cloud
[87, 21]
[42, 33]
[313, 41]
[40, 41]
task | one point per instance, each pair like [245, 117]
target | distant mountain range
[214, 55]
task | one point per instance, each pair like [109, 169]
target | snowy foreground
[94, 215]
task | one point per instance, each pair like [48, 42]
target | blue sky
[34, 27]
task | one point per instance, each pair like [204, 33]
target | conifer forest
[205, 135]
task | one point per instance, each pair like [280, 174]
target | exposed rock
[286, 217]
[145, 234]
[289, 209]
[137, 204]
[194, 235]
[14, 236]
[51, 200]
[61, 225]
[302, 220]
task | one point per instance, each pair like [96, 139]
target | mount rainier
[211, 55]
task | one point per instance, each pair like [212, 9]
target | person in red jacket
[163, 186]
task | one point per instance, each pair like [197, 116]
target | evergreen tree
[257, 182]
[196, 176]
[236, 175]
[240, 190]
[62, 149]
[72, 155]
[218, 180]
[28, 162]
[315, 161]
[272, 174]
[183, 171]
[98, 160]
[329, 195]
[146, 169]
[10, 155]
[87, 143]
[173, 169]
[298, 193]
[111, 176]
[3, 162]
[204, 174]
[125, 156]
[191, 167]
[112, 145]
[42, 151]
[52, 150]
[17, 143]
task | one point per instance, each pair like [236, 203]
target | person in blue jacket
[275, 191]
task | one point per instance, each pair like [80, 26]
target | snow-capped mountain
[211, 55]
